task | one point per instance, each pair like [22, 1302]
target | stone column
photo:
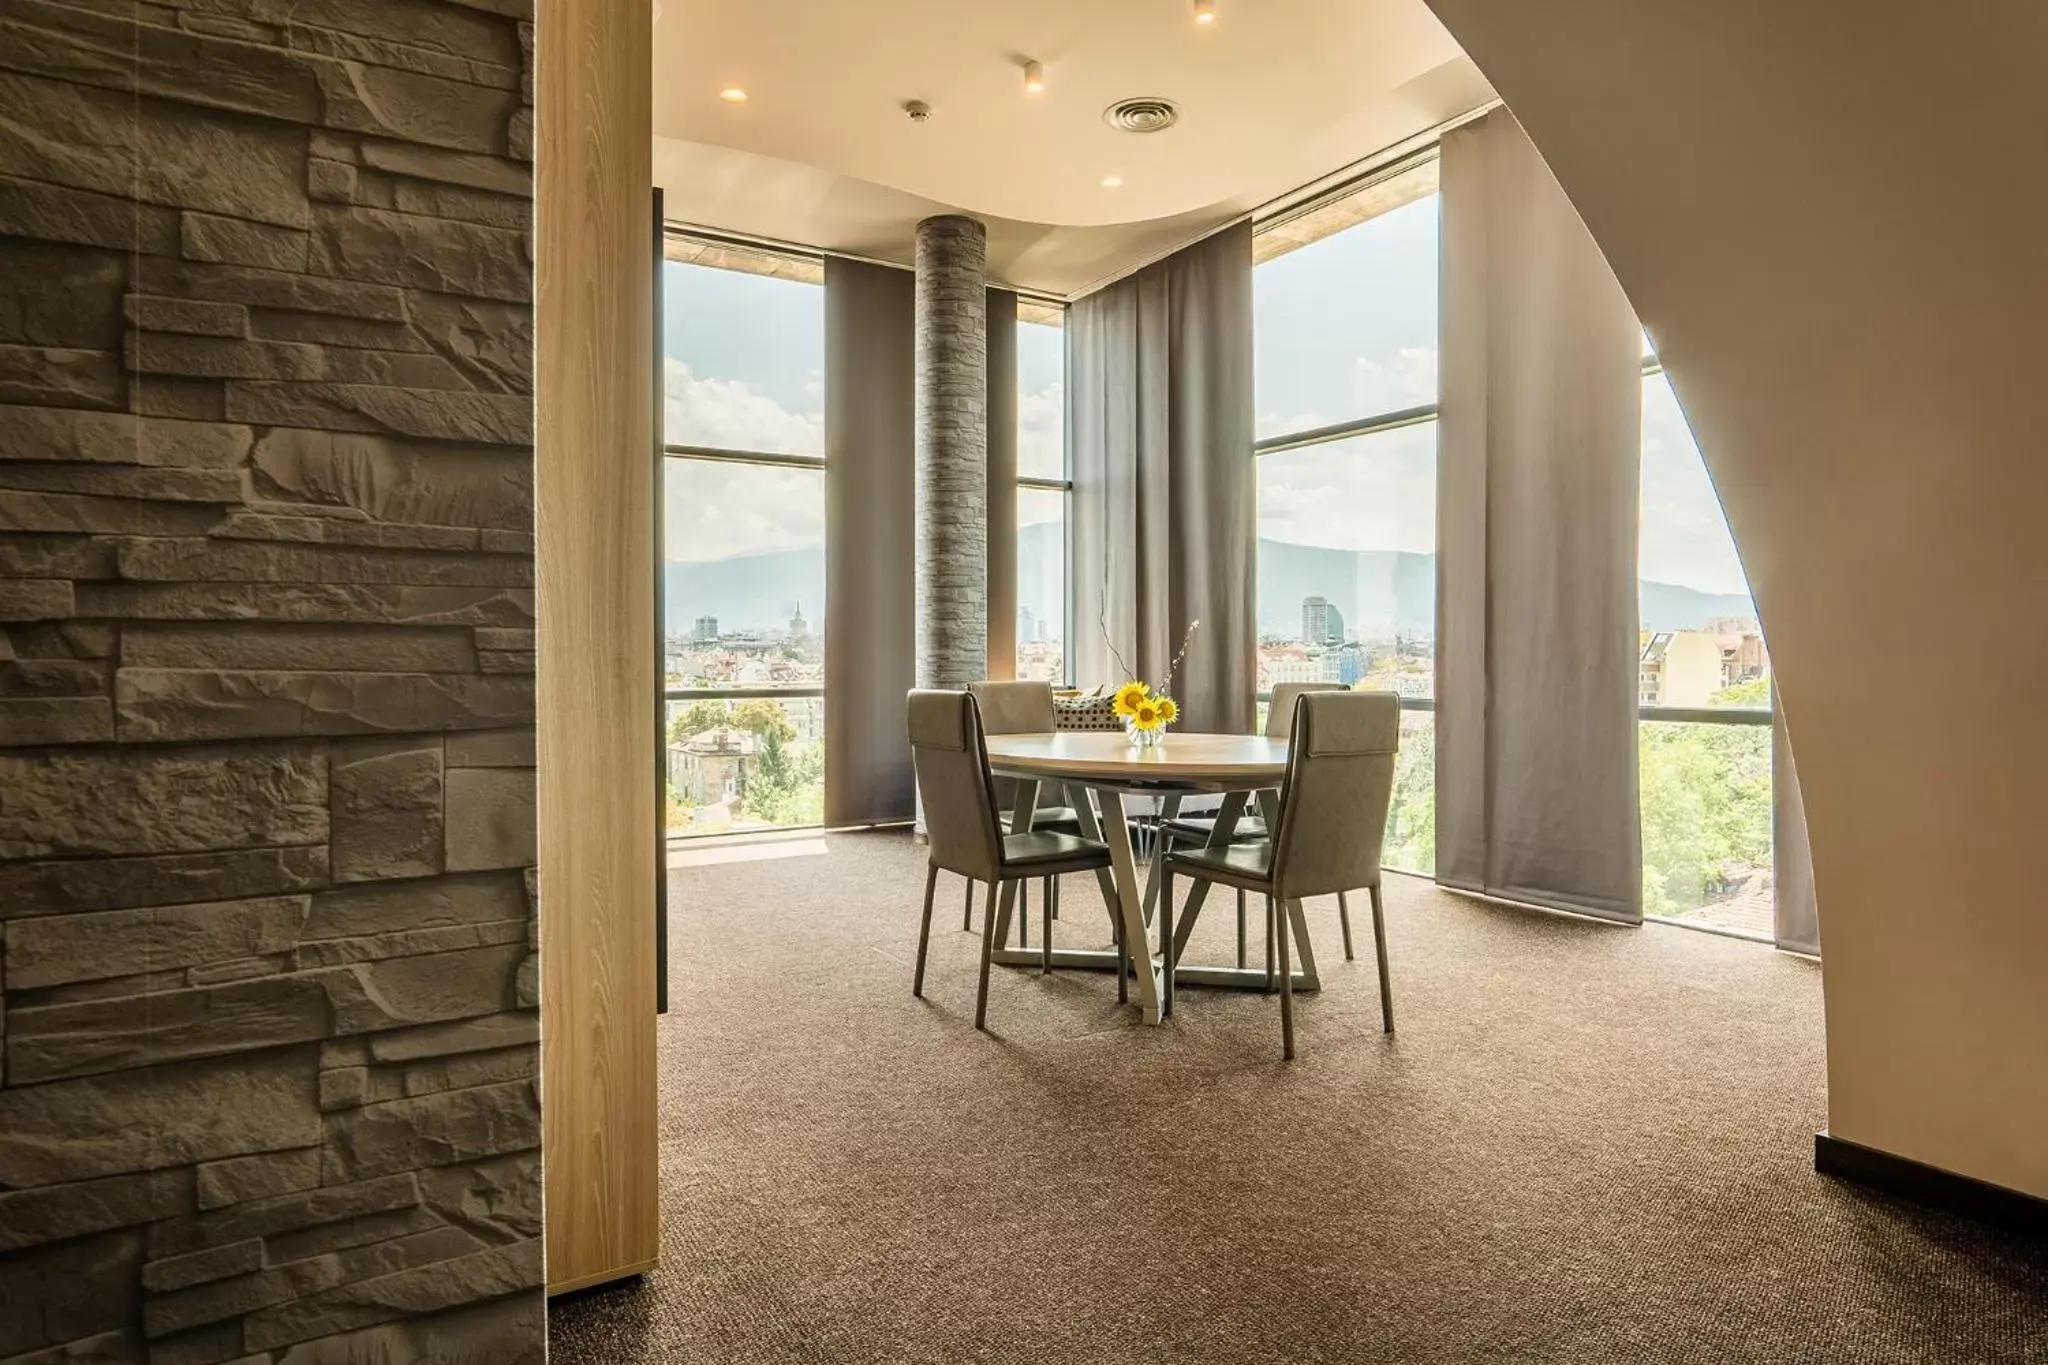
[952, 452]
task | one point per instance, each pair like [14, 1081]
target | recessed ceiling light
[732, 94]
[1205, 11]
[1034, 78]
[1110, 182]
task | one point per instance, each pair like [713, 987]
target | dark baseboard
[1931, 1186]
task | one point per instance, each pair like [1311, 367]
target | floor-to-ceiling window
[1704, 683]
[1044, 490]
[1345, 319]
[743, 342]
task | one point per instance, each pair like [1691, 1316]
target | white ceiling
[1273, 95]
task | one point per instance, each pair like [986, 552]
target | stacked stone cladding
[268, 975]
[952, 451]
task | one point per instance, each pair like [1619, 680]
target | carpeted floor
[1586, 1143]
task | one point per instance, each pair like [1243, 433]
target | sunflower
[1168, 712]
[1146, 715]
[1129, 695]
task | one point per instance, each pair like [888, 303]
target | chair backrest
[951, 761]
[1333, 803]
[1280, 715]
[1014, 708]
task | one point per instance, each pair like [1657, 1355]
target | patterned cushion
[1088, 711]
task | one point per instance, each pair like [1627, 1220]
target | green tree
[1411, 816]
[764, 717]
[1755, 693]
[695, 719]
[785, 787]
[1705, 796]
[680, 808]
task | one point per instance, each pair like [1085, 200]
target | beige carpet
[1586, 1143]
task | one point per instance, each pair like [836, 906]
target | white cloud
[1286, 424]
[1367, 493]
[1685, 537]
[732, 415]
[1041, 424]
[716, 510]
[1406, 381]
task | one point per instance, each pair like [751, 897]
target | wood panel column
[595, 496]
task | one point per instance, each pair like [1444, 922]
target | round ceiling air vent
[1144, 114]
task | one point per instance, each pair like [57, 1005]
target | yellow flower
[1168, 712]
[1145, 715]
[1129, 695]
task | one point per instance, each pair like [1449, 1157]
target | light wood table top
[1190, 761]
[1115, 769]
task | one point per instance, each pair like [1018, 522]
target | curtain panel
[1538, 478]
[870, 497]
[1159, 416]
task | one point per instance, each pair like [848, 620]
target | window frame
[1064, 486]
[713, 252]
[1392, 419]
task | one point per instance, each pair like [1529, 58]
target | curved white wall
[1831, 221]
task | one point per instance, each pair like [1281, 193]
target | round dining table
[1242, 768]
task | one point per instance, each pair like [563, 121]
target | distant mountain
[746, 592]
[1377, 591]
[1666, 606]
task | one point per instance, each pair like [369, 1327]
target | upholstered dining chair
[1196, 828]
[964, 827]
[1023, 707]
[1332, 820]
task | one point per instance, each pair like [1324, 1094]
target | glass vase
[1144, 739]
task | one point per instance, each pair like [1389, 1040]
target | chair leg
[1166, 935]
[967, 909]
[1045, 925]
[1286, 991]
[1379, 944]
[988, 945]
[1240, 928]
[1344, 918]
[1269, 946]
[1023, 912]
[924, 927]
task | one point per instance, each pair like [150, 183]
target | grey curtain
[1797, 914]
[870, 645]
[1538, 467]
[1002, 484]
[1159, 417]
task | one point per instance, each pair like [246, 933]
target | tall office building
[1321, 622]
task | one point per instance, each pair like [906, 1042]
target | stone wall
[268, 1084]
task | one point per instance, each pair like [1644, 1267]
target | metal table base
[1120, 891]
